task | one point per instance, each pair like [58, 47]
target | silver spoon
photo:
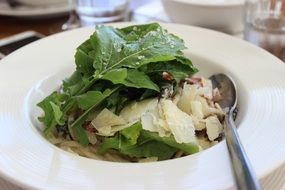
[243, 172]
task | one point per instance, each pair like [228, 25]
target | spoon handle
[244, 174]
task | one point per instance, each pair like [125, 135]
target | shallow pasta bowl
[28, 159]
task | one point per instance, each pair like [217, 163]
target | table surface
[10, 26]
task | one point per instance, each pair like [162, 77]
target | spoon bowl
[227, 89]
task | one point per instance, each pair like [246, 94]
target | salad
[134, 97]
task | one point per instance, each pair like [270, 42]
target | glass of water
[93, 12]
[265, 25]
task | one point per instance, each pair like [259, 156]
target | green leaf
[185, 61]
[86, 47]
[114, 48]
[116, 76]
[136, 32]
[82, 136]
[132, 133]
[129, 142]
[50, 113]
[73, 84]
[189, 148]
[147, 149]
[57, 113]
[180, 68]
[84, 63]
[126, 137]
[138, 79]
[87, 100]
[130, 78]
[109, 143]
[148, 94]
[150, 149]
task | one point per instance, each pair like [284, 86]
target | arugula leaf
[147, 149]
[135, 32]
[91, 98]
[126, 137]
[84, 59]
[86, 47]
[57, 113]
[185, 61]
[110, 143]
[131, 78]
[73, 84]
[52, 114]
[189, 148]
[148, 94]
[150, 149]
[82, 136]
[113, 48]
[84, 63]
[132, 133]
[116, 76]
[138, 79]
[116, 102]
[180, 68]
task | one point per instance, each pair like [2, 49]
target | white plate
[35, 12]
[29, 160]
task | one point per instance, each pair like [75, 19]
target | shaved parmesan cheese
[91, 137]
[135, 110]
[147, 122]
[205, 143]
[179, 123]
[213, 127]
[104, 131]
[189, 93]
[116, 128]
[177, 96]
[207, 110]
[199, 124]
[152, 121]
[105, 119]
[197, 110]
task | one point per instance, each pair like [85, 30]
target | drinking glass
[265, 25]
[92, 12]
[71, 23]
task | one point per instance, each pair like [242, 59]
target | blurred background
[44, 16]
[260, 22]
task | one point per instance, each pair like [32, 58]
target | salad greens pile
[113, 67]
